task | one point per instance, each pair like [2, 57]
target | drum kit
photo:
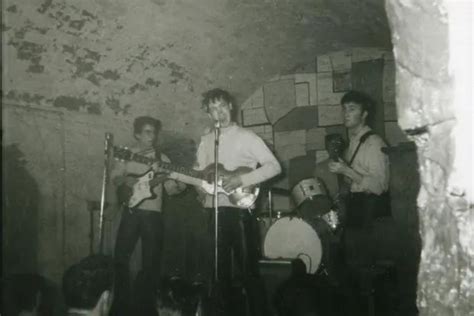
[307, 232]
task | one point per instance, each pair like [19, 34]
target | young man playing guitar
[145, 219]
[238, 148]
[365, 169]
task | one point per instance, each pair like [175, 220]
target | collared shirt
[134, 168]
[370, 162]
[238, 147]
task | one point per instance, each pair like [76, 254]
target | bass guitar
[243, 197]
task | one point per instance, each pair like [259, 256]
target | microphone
[109, 138]
[217, 131]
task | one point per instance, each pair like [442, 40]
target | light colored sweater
[238, 147]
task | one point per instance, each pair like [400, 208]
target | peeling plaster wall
[122, 58]
[75, 57]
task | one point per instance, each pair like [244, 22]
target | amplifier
[274, 272]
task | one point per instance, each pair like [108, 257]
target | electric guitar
[335, 150]
[243, 197]
[138, 188]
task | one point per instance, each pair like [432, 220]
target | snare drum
[311, 198]
[292, 238]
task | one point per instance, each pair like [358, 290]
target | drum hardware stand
[322, 269]
[270, 205]
[105, 179]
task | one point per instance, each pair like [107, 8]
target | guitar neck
[180, 173]
[179, 177]
[185, 179]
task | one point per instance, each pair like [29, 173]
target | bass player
[238, 148]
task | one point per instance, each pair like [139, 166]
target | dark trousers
[359, 245]
[147, 225]
[237, 256]
[358, 234]
[361, 211]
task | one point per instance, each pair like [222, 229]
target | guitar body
[141, 190]
[335, 149]
[243, 197]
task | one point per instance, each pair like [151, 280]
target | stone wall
[428, 86]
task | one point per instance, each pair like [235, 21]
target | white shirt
[238, 147]
[370, 162]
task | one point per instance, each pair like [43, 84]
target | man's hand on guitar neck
[231, 183]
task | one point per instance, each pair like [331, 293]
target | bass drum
[295, 238]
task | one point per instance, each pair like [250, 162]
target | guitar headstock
[335, 146]
[125, 154]
[335, 153]
[122, 153]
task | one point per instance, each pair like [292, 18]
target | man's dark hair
[84, 282]
[20, 292]
[214, 95]
[365, 101]
[141, 121]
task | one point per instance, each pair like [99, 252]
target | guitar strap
[147, 152]
[157, 153]
[343, 186]
[361, 141]
[379, 205]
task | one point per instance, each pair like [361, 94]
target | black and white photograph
[237, 158]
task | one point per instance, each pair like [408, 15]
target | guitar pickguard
[141, 189]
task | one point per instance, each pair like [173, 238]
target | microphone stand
[216, 200]
[105, 179]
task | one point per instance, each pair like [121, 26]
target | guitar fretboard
[161, 164]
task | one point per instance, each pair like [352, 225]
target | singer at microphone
[238, 147]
